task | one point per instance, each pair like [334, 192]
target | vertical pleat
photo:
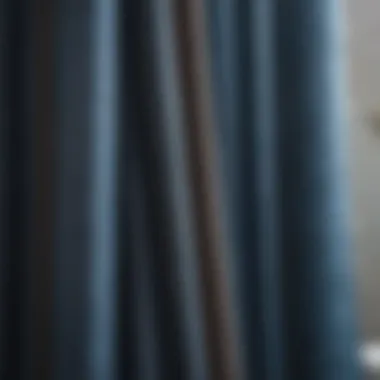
[138, 331]
[260, 157]
[212, 249]
[138, 335]
[15, 211]
[161, 151]
[315, 237]
[40, 260]
[73, 226]
[86, 241]
[167, 323]
[171, 138]
[223, 31]
[3, 183]
[222, 28]
[256, 200]
[243, 58]
[104, 246]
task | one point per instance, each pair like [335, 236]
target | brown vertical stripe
[196, 80]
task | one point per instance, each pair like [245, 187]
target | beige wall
[364, 68]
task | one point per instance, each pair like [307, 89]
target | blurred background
[364, 64]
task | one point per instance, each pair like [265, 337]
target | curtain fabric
[173, 196]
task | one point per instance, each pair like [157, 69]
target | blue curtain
[173, 195]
